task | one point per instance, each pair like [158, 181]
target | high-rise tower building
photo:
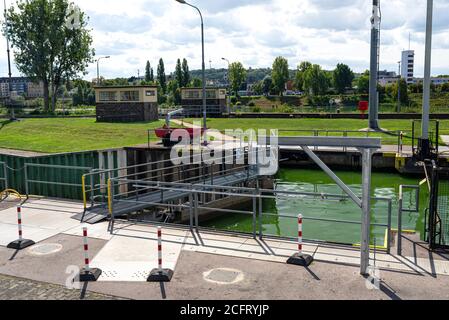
[408, 65]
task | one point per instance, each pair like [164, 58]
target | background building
[192, 101]
[126, 103]
[21, 86]
[408, 65]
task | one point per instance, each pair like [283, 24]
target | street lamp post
[425, 142]
[13, 116]
[203, 68]
[98, 68]
[399, 87]
[229, 86]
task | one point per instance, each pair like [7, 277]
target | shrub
[256, 109]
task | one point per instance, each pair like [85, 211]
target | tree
[178, 73]
[51, 43]
[196, 83]
[363, 83]
[174, 93]
[161, 78]
[237, 76]
[149, 77]
[258, 88]
[267, 85]
[342, 78]
[403, 94]
[316, 81]
[445, 87]
[280, 74]
[299, 76]
[185, 73]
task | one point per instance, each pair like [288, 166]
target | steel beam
[366, 211]
[332, 175]
[349, 142]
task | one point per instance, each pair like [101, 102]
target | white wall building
[408, 65]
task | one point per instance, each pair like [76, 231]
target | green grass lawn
[322, 124]
[71, 135]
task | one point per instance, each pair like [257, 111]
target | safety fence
[97, 185]
[411, 208]
[65, 181]
[398, 138]
[194, 204]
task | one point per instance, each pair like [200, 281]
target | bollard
[88, 274]
[20, 243]
[299, 258]
[401, 144]
[160, 274]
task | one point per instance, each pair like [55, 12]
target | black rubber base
[160, 276]
[300, 259]
[20, 244]
[90, 276]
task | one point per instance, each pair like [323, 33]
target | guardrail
[202, 197]
[401, 209]
[66, 179]
[3, 176]
[98, 191]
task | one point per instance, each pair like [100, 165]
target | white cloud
[256, 31]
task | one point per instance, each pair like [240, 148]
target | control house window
[150, 93]
[211, 94]
[129, 95]
[108, 96]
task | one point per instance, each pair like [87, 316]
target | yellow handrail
[83, 182]
[109, 197]
[7, 192]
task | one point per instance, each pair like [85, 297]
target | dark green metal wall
[52, 176]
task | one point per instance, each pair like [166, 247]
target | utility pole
[424, 147]
[374, 66]
[399, 88]
[11, 107]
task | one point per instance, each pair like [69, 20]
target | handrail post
[195, 195]
[389, 227]
[27, 191]
[399, 242]
[111, 204]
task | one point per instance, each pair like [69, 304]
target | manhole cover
[45, 249]
[223, 276]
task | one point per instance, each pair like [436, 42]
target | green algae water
[384, 185]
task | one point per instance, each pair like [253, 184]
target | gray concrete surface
[261, 279]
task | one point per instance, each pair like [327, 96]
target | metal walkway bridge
[123, 191]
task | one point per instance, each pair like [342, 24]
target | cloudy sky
[256, 31]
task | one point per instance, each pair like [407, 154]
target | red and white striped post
[300, 234]
[159, 274]
[86, 251]
[299, 258]
[159, 248]
[88, 274]
[21, 243]
[19, 222]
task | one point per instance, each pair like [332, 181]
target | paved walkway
[129, 254]
[13, 288]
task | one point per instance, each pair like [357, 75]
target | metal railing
[196, 198]
[98, 191]
[3, 176]
[401, 209]
[45, 178]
